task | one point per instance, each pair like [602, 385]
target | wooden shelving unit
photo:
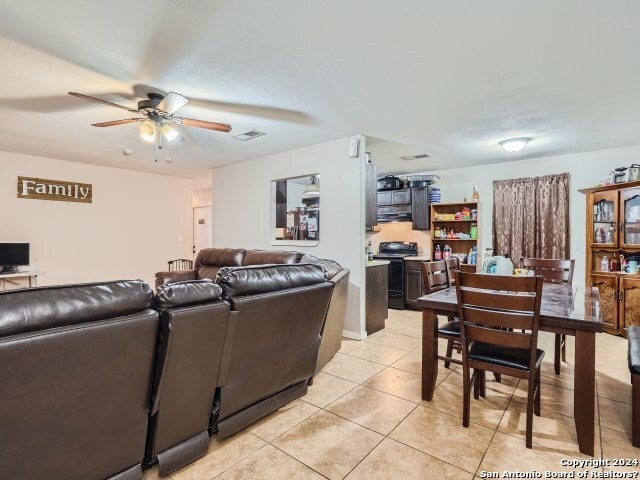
[458, 246]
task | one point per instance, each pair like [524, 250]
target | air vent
[249, 135]
[415, 157]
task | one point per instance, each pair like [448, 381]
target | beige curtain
[531, 217]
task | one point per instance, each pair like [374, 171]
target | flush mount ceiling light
[312, 190]
[514, 144]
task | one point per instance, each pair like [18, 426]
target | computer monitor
[13, 255]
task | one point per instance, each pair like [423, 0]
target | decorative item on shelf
[599, 236]
[474, 214]
[614, 264]
[437, 253]
[473, 231]
[466, 213]
[604, 264]
[446, 252]
[475, 197]
[609, 235]
[437, 231]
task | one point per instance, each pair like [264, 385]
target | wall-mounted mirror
[296, 209]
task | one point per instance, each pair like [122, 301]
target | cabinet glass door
[631, 216]
[604, 221]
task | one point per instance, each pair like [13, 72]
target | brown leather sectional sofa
[210, 260]
[100, 380]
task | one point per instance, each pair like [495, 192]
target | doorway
[201, 229]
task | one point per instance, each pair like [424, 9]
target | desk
[32, 274]
[564, 309]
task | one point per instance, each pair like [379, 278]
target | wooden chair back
[499, 310]
[552, 270]
[434, 276]
[180, 264]
[453, 264]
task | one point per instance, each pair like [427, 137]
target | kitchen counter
[418, 259]
[376, 263]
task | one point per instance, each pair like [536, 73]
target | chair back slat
[496, 336]
[453, 265]
[552, 270]
[507, 283]
[434, 276]
[180, 264]
[497, 318]
[499, 299]
[499, 310]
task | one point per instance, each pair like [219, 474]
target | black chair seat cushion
[633, 336]
[450, 329]
[510, 357]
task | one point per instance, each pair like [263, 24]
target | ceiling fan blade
[118, 122]
[172, 102]
[94, 99]
[220, 127]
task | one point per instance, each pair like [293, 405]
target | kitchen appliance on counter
[395, 253]
[389, 182]
[422, 180]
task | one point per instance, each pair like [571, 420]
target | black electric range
[395, 252]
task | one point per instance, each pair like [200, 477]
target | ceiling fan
[157, 116]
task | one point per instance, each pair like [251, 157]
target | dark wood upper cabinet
[420, 209]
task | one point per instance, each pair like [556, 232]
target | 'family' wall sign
[59, 190]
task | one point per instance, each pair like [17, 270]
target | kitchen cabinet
[414, 286]
[420, 211]
[443, 218]
[376, 292]
[394, 197]
[613, 231]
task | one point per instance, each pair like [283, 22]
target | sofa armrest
[162, 278]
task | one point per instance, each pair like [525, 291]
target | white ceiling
[446, 77]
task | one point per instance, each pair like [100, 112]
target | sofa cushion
[191, 292]
[252, 280]
[264, 257]
[48, 307]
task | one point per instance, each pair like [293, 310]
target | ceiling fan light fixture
[514, 144]
[169, 132]
[148, 131]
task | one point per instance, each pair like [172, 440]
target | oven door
[395, 281]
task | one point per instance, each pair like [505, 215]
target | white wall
[241, 196]
[129, 231]
[587, 170]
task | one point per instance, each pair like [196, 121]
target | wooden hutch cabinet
[613, 231]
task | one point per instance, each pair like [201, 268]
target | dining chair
[553, 271]
[435, 278]
[180, 264]
[499, 319]
[453, 264]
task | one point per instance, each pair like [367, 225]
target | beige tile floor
[363, 418]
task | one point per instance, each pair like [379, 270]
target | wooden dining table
[564, 309]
